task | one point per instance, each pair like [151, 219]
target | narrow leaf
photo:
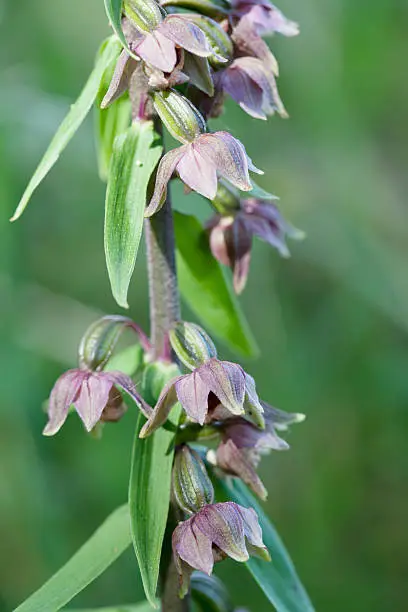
[278, 579]
[205, 288]
[95, 556]
[113, 10]
[71, 123]
[149, 490]
[142, 607]
[134, 158]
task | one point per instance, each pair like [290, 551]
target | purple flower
[217, 531]
[252, 85]
[215, 391]
[243, 445]
[200, 162]
[158, 46]
[265, 17]
[231, 235]
[91, 393]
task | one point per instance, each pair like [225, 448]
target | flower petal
[198, 172]
[125, 66]
[126, 383]
[92, 398]
[161, 411]
[186, 35]
[228, 155]
[248, 41]
[192, 546]
[223, 524]
[270, 19]
[157, 50]
[192, 392]
[252, 528]
[280, 420]
[234, 461]
[62, 396]
[227, 381]
[252, 406]
[165, 170]
[244, 90]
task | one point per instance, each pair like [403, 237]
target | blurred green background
[331, 322]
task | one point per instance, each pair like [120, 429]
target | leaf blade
[278, 579]
[70, 124]
[113, 10]
[204, 287]
[108, 542]
[126, 201]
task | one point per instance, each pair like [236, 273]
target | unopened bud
[99, 341]
[180, 117]
[191, 484]
[192, 345]
[219, 41]
[146, 15]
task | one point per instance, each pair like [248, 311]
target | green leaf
[149, 487]
[205, 288]
[113, 10]
[108, 54]
[278, 579]
[95, 556]
[134, 158]
[142, 607]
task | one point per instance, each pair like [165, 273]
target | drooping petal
[62, 396]
[249, 42]
[161, 411]
[253, 533]
[198, 71]
[186, 35]
[157, 50]
[165, 170]
[197, 171]
[227, 381]
[125, 66]
[192, 546]
[244, 90]
[247, 436]
[192, 392]
[126, 383]
[269, 19]
[252, 406]
[92, 398]
[223, 525]
[261, 228]
[234, 461]
[229, 156]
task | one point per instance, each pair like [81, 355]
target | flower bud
[99, 341]
[191, 484]
[192, 344]
[212, 8]
[180, 117]
[218, 39]
[146, 15]
[227, 200]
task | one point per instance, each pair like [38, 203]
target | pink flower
[91, 394]
[199, 163]
[252, 85]
[158, 46]
[217, 531]
[265, 17]
[231, 235]
[214, 391]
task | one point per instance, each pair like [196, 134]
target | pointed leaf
[278, 579]
[113, 10]
[149, 488]
[107, 56]
[135, 156]
[95, 556]
[142, 607]
[205, 288]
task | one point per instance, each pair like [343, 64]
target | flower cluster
[188, 64]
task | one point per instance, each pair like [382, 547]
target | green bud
[192, 486]
[227, 199]
[192, 345]
[99, 341]
[218, 39]
[180, 117]
[212, 8]
[146, 15]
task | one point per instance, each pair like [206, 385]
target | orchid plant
[201, 426]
